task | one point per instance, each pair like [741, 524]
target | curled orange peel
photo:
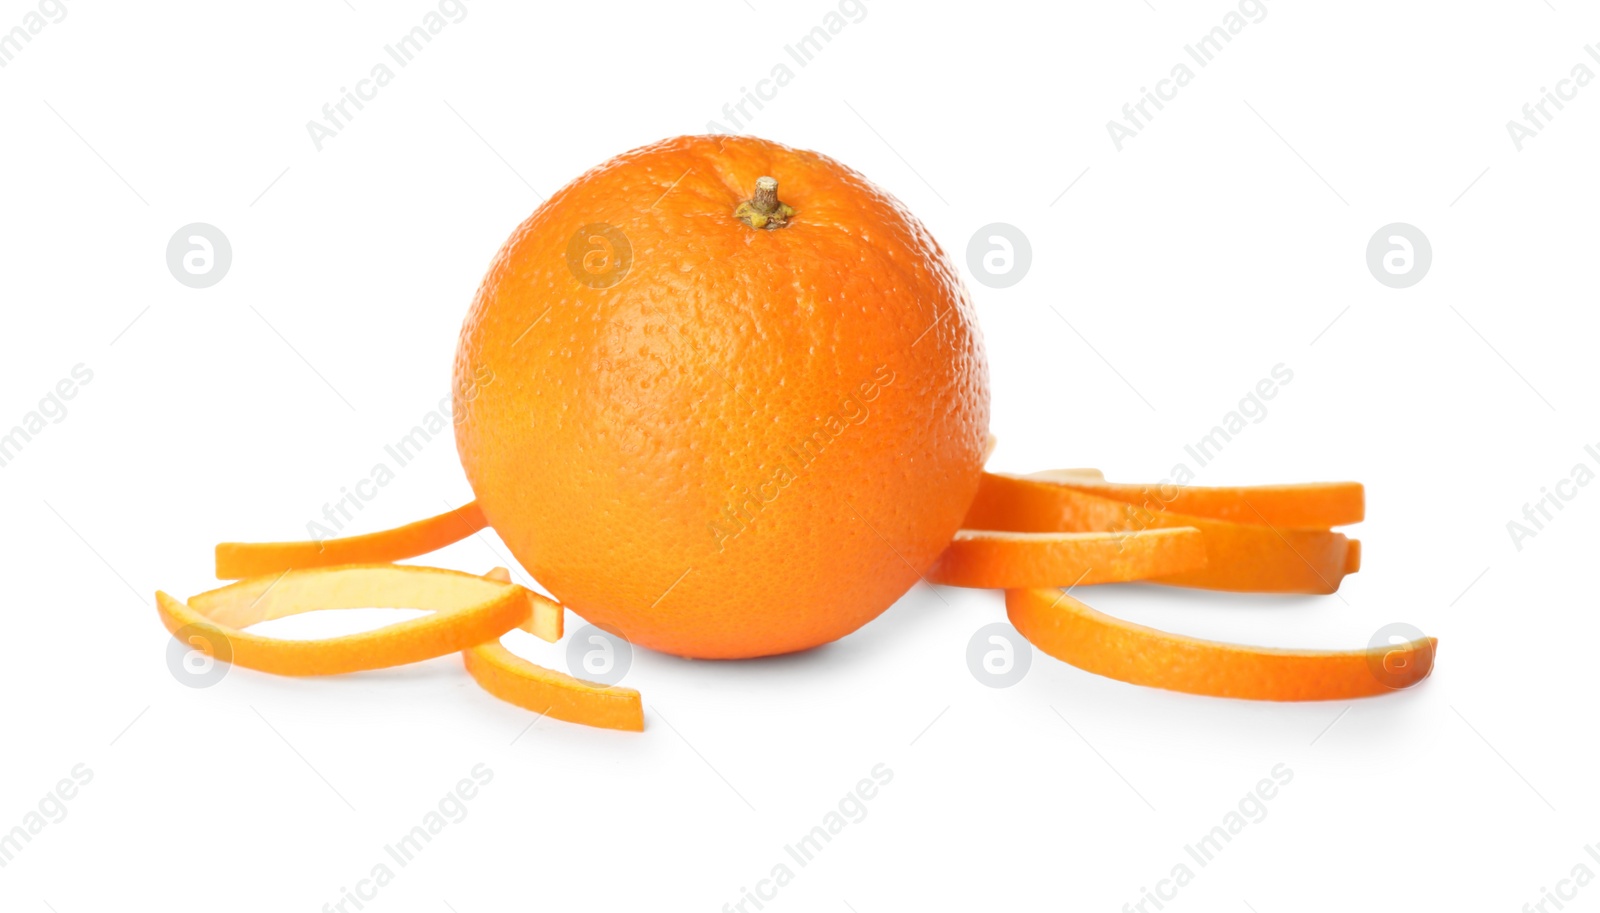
[1068, 475]
[1078, 635]
[514, 680]
[546, 617]
[517, 681]
[465, 610]
[1026, 535]
[1241, 557]
[1001, 560]
[252, 559]
[1314, 505]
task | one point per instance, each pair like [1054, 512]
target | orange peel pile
[467, 614]
[1035, 537]
[1242, 555]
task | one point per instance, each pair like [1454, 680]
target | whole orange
[716, 423]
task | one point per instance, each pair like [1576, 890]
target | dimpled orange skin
[753, 443]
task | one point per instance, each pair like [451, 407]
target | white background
[1226, 238]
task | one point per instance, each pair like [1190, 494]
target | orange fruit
[716, 423]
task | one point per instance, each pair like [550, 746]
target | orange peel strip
[1095, 642]
[1068, 475]
[515, 680]
[1313, 505]
[466, 610]
[1240, 557]
[252, 559]
[546, 617]
[1001, 560]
